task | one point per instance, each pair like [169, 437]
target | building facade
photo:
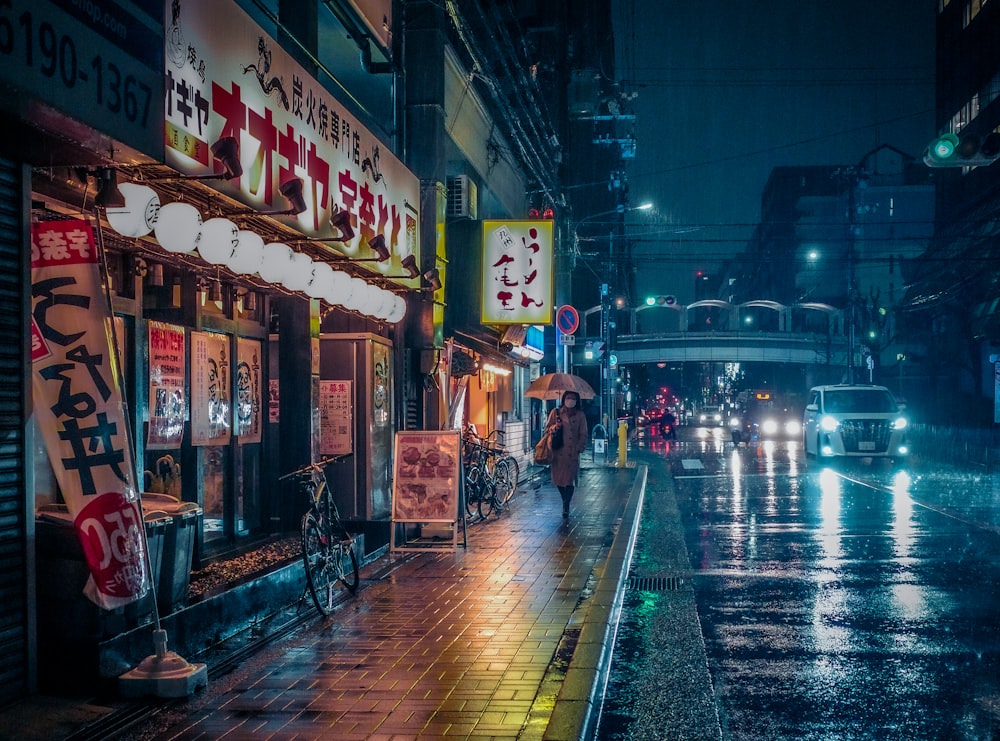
[285, 202]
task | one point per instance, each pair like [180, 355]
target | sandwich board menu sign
[426, 488]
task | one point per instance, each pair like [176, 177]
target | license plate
[863, 445]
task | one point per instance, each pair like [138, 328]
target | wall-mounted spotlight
[380, 248]
[341, 220]
[108, 194]
[409, 264]
[139, 267]
[433, 279]
[226, 151]
[291, 189]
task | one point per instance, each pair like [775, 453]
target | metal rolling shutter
[14, 564]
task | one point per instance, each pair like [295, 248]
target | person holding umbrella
[566, 458]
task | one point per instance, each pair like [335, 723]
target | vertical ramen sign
[79, 409]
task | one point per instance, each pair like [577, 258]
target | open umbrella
[553, 385]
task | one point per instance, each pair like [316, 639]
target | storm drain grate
[655, 583]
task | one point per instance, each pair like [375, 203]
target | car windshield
[859, 401]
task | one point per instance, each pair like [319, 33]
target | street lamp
[607, 388]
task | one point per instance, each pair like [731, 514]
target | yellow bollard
[622, 443]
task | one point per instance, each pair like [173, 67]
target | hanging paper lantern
[372, 301]
[138, 216]
[248, 255]
[218, 241]
[398, 311]
[319, 283]
[276, 263]
[339, 288]
[386, 304]
[299, 273]
[178, 226]
[357, 296]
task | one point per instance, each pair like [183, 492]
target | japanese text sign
[78, 407]
[225, 77]
[211, 413]
[167, 399]
[517, 272]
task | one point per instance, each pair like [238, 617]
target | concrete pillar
[424, 152]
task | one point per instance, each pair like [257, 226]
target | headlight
[734, 421]
[718, 417]
[769, 427]
[828, 424]
[702, 418]
[900, 423]
[793, 427]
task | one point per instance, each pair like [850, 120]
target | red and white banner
[78, 405]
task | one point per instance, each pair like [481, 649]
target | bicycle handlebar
[313, 466]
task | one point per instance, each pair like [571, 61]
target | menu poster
[167, 400]
[426, 481]
[336, 417]
[210, 406]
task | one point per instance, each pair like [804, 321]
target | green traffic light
[945, 145]
[650, 300]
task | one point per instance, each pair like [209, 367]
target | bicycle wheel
[347, 564]
[506, 476]
[316, 554]
[472, 492]
[487, 497]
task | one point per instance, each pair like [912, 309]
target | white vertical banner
[211, 413]
[79, 408]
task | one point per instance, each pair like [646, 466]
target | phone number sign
[94, 61]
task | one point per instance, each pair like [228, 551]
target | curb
[575, 714]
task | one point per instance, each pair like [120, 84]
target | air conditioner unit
[462, 198]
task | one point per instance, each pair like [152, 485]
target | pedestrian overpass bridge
[719, 331]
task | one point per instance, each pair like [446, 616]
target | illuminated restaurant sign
[517, 272]
[225, 77]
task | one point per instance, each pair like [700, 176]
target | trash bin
[69, 624]
[156, 523]
[178, 548]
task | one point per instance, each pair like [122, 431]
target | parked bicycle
[491, 474]
[327, 546]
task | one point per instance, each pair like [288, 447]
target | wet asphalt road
[849, 602]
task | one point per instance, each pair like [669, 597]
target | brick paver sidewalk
[466, 644]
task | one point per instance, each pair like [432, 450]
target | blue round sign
[567, 319]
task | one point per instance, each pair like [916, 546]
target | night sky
[729, 89]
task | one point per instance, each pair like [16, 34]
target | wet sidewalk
[503, 639]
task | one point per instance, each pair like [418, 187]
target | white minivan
[854, 421]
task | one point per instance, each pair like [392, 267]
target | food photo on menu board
[426, 481]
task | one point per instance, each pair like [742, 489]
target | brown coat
[566, 460]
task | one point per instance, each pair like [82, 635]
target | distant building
[827, 231]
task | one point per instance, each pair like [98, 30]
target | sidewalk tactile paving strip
[449, 645]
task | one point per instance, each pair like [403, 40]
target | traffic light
[661, 300]
[962, 150]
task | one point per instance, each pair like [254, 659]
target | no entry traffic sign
[567, 319]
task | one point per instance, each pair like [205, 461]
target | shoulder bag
[543, 450]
